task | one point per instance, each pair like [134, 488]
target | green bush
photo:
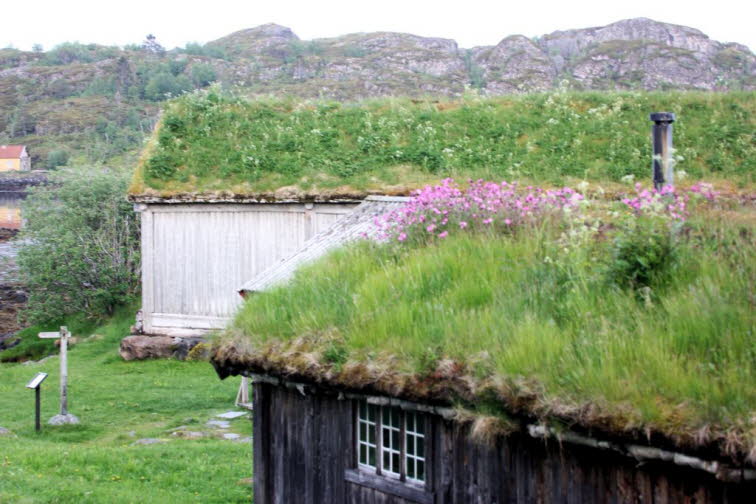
[203, 75]
[643, 253]
[56, 158]
[164, 85]
[80, 246]
[75, 52]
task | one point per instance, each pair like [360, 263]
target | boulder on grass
[138, 347]
[147, 347]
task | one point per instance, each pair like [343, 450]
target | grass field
[118, 403]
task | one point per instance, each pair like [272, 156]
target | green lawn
[96, 461]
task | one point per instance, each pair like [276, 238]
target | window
[366, 434]
[391, 442]
[415, 443]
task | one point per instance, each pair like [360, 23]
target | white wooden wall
[196, 256]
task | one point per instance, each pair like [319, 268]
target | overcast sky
[469, 22]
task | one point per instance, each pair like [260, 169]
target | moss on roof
[214, 144]
[534, 323]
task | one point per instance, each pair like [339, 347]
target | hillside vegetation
[96, 102]
[212, 141]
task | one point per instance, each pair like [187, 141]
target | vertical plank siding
[304, 444]
[196, 256]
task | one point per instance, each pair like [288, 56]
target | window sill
[389, 486]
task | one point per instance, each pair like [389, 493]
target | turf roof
[214, 146]
[530, 325]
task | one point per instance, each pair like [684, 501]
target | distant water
[10, 218]
[10, 210]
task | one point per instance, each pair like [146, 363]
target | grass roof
[210, 143]
[544, 321]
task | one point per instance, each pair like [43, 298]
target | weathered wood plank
[194, 257]
[304, 452]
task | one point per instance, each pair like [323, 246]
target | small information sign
[36, 381]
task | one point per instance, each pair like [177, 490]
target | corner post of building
[661, 134]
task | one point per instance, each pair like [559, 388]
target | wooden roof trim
[352, 226]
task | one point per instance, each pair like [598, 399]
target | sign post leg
[37, 403]
[63, 371]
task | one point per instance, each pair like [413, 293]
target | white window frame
[364, 420]
[413, 437]
[388, 450]
[410, 428]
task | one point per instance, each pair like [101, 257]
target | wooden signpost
[64, 417]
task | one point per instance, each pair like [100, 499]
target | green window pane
[410, 469]
[363, 454]
[371, 457]
[395, 439]
[421, 447]
[395, 462]
[421, 470]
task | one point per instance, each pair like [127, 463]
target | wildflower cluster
[436, 210]
[667, 201]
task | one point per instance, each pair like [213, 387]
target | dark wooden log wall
[304, 444]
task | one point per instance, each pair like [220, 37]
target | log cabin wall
[196, 256]
[304, 452]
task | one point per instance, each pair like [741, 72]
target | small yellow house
[14, 158]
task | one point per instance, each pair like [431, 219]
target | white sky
[469, 22]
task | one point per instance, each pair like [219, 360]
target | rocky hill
[98, 101]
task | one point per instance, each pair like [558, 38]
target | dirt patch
[6, 234]
[12, 301]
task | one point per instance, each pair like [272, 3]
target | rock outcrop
[140, 347]
[515, 65]
[630, 54]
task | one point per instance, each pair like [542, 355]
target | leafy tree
[56, 158]
[80, 251]
[21, 122]
[60, 88]
[101, 86]
[209, 51]
[164, 85]
[177, 67]
[203, 75]
[73, 52]
[151, 44]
